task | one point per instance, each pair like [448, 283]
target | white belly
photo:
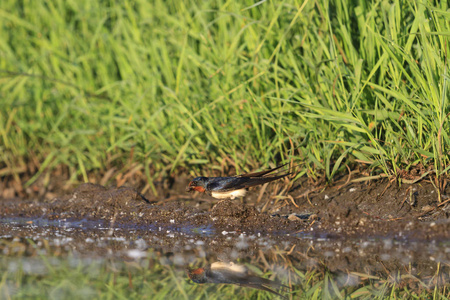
[229, 195]
[220, 265]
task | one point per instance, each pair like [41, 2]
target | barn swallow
[231, 187]
[230, 273]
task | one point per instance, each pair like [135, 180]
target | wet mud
[359, 229]
[358, 209]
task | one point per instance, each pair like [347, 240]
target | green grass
[198, 85]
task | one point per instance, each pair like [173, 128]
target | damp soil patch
[374, 208]
[359, 230]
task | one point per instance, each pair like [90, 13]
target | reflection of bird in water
[232, 187]
[230, 273]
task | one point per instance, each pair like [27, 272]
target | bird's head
[198, 184]
[197, 275]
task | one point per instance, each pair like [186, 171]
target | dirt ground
[370, 208]
[371, 227]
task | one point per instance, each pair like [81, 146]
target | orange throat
[199, 189]
[198, 271]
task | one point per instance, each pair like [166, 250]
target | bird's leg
[243, 200]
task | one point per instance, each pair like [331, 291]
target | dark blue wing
[225, 184]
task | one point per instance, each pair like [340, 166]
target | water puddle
[84, 258]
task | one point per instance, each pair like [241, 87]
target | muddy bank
[360, 229]
[379, 208]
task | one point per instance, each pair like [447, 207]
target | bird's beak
[189, 189]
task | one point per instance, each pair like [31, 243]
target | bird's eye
[194, 183]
